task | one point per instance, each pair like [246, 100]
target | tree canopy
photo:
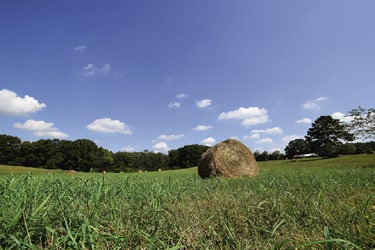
[326, 134]
[363, 122]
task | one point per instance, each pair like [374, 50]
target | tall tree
[9, 148]
[326, 134]
[296, 147]
[363, 122]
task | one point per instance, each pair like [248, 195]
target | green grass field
[308, 204]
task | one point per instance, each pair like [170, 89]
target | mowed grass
[308, 204]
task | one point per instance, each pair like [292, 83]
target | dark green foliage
[326, 134]
[9, 148]
[185, 157]
[190, 155]
[347, 149]
[297, 146]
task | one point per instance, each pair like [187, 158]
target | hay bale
[70, 172]
[229, 158]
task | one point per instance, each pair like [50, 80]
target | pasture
[307, 204]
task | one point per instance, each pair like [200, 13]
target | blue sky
[158, 75]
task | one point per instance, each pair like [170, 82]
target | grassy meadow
[307, 204]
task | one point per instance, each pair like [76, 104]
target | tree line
[85, 155]
[327, 137]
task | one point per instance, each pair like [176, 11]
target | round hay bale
[70, 172]
[229, 158]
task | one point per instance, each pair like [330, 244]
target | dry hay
[70, 172]
[229, 158]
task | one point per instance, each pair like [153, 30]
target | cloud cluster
[12, 104]
[41, 128]
[202, 127]
[80, 48]
[314, 104]
[269, 131]
[170, 137]
[208, 141]
[109, 126]
[342, 117]
[174, 105]
[181, 95]
[92, 70]
[205, 103]
[304, 120]
[161, 147]
[250, 116]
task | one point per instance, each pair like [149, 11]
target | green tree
[173, 156]
[363, 122]
[296, 147]
[190, 155]
[347, 149]
[326, 134]
[275, 155]
[84, 155]
[9, 149]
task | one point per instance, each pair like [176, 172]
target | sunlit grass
[319, 204]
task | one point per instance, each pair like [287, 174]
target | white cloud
[128, 149]
[170, 137]
[174, 105]
[202, 127]
[81, 48]
[252, 136]
[92, 70]
[304, 120]
[41, 128]
[313, 104]
[342, 117]
[181, 95]
[269, 131]
[203, 103]
[160, 147]
[264, 140]
[12, 104]
[249, 116]
[289, 138]
[208, 141]
[107, 125]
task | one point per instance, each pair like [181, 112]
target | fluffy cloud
[174, 105]
[202, 127]
[170, 137]
[92, 70]
[252, 136]
[12, 104]
[304, 120]
[203, 103]
[80, 48]
[41, 128]
[342, 117]
[314, 104]
[269, 131]
[181, 95]
[208, 141]
[107, 125]
[160, 147]
[264, 140]
[249, 116]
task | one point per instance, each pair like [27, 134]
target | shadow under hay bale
[229, 158]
